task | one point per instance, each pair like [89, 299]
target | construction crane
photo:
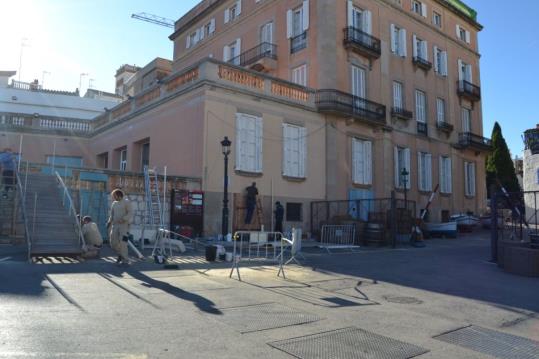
[154, 19]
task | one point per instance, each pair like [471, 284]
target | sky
[63, 39]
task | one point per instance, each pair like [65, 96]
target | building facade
[322, 100]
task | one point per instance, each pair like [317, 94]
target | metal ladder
[154, 211]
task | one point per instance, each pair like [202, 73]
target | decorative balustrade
[121, 110]
[182, 79]
[241, 77]
[289, 91]
[29, 123]
[148, 97]
[57, 124]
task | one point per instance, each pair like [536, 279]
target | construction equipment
[154, 19]
[153, 215]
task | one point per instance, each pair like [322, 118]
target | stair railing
[22, 200]
[71, 208]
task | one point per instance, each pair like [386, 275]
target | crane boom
[154, 19]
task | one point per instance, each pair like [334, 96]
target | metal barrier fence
[338, 237]
[255, 246]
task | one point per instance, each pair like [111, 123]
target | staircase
[52, 230]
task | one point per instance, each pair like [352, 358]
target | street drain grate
[265, 316]
[491, 342]
[348, 343]
[403, 300]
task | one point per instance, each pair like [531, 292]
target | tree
[500, 166]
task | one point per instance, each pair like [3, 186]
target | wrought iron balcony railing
[421, 62]
[401, 113]
[251, 56]
[298, 42]
[468, 90]
[422, 128]
[444, 126]
[468, 139]
[345, 104]
[362, 42]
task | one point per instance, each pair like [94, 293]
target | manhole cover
[348, 343]
[491, 342]
[403, 300]
[265, 316]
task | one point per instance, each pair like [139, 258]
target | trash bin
[211, 253]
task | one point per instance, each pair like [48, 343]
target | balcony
[468, 90]
[298, 43]
[348, 105]
[422, 129]
[422, 63]
[362, 43]
[444, 126]
[261, 58]
[473, 141]
[401, 113]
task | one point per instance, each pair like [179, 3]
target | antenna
[154, 19]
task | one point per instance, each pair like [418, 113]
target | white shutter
[227, 15]
[407, 165]
[449, 175]
[393, 39]
[201, 31]
[357, 152]
[424, 50]
[259, 144]
[350, 13]
[238, 7]
[469, 73]
[397, 169]
[367, 21]
[226, 53]
[435, 59]
[239, 141]
[467, 36]
[238, 46]
[461, 75]
[286, 150]
[188, 41]
[368, 162]
[212, 26]
[472, 178]
[302, 152]
[458, 31]
[197, 36]
[305, 15]
[441, 174]
[403, 43]
[420, 171]
[414, 45]
[429, 171]
[423, 9]
[444, 63]
[289, 29]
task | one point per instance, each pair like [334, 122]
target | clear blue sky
[70, 37]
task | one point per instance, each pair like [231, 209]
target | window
[420, 107]
[463, 34]
[231, 52]
[419, 8]
[358, 82]
[398, 101]
[465, 71]
[437, 19]
[299, 75]
[192, 39]
[233, 12]
[266, 33]
[209, 28]
[294, 151]
[440, 110]
[248, 143]
[294, 212]
[420, 48]
[103, 160]
[145, 155]
[440, 61]
[402, 161]
[469, 179]
[123, 160]
[445, 175]
[64, 161]
[361, 162]
[424, 165]
[398, 41]
[466, 115]
[359, 19]
[297, 20]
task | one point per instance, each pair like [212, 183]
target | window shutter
[467, 36]
[420, 171]
[425, 50]
[449, 175]
[212, 26]
[469, 73]
[350, 12]
[397, 169]
[441, 174]
[435, 59]
[367, 21]
[259, 144]
[393, 40]
[305, 15]
[472, 179]
[302, 152]
[289, 29]
[238, 7]
[423, 9]
[458, 31]
[238, 46]
[227, 15]
[239, 141]
[197, 36]
[188, 41]
[201, 31]
[403, 43]
[286, 150]
[407, 164]
[466, 179]
[461, 75]
[444, 63]
[368, 162]
[414, 45]
[226, 53]
[429, 171]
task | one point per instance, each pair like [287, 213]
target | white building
[531, 174]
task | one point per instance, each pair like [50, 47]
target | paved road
[97, 310]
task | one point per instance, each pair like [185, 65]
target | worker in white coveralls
[92, 237]
[121, 217]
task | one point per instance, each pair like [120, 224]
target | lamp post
[225, 143]
[404, 176]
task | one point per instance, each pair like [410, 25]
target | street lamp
[404, 179]
[225, 143]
